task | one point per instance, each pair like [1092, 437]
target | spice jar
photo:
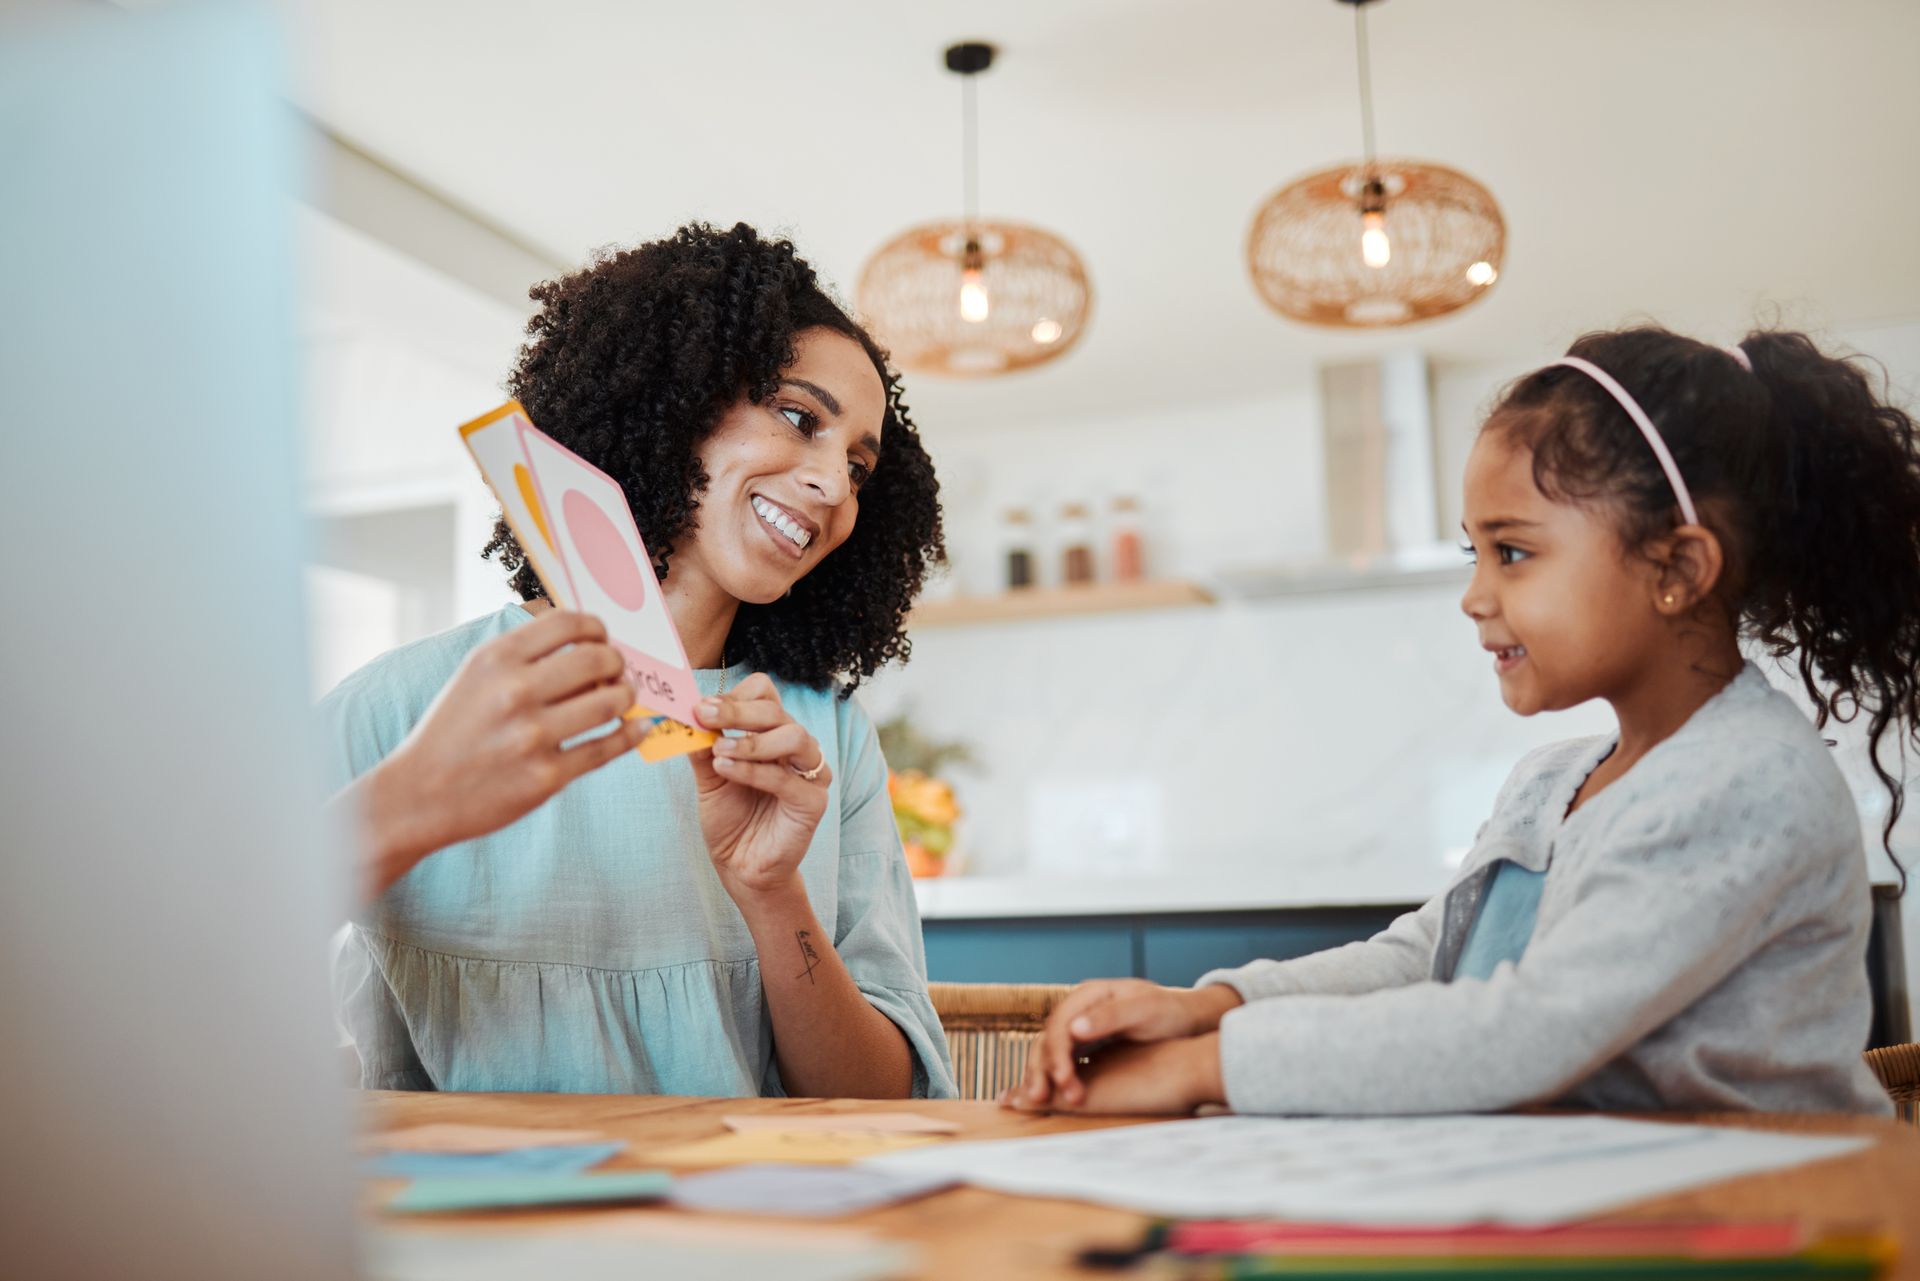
[1076, 546]
[1017, 535]
[1125, 560]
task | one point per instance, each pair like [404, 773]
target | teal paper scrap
[568, 1158]
[500, 1192]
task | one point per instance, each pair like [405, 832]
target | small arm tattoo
[807, 953]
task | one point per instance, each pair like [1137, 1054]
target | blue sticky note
[508, 1191]
[566, 1158]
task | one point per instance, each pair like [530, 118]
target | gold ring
[808, 774]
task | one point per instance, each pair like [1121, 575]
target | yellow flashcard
[810, 1147]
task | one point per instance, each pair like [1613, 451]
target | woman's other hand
[758, 810]
[488, 750]
[1102, 1011]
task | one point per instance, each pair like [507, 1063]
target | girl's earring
[1668, 598]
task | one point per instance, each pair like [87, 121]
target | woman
[728, 923]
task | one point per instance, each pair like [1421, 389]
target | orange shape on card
[523, 479]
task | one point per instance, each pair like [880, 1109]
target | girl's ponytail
[1833, 578]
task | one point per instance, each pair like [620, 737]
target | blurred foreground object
[162, 934]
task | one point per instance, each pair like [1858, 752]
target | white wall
[395, 356]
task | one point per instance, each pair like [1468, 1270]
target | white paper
[1429, 1171]
[448, 1256]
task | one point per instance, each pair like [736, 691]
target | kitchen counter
[1003, 897]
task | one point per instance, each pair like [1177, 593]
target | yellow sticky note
[816, 1147]
[668, 737]
[842, 1122]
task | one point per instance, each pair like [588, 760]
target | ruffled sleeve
[877, 926]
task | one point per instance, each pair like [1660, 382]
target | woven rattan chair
[990, 1027]
[1898, 1067]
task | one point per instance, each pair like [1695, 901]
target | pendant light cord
[1366, 81]
[969, 150]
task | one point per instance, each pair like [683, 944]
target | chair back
[990, 1027]
[1898, 1067]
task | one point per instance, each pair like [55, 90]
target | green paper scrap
[500, 1192]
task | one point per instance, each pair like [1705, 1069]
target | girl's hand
[756, 810]
[1165, 1078]
[488, 749]
[1106, 1010]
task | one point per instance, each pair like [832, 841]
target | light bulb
[973, 296]
[1481, 273]
[1373, 239]
[1046, 331]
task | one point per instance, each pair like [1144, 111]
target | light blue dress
[589, 946]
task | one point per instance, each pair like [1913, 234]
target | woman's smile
[790, 530]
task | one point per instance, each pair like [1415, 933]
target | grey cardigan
[1700, 944]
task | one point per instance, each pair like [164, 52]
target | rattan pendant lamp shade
[970, 296]
[1378, 243]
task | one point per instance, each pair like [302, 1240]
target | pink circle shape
[605, 553]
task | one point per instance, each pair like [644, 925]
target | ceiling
[1699, 161]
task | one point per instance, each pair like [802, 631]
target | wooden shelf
[1057, 602]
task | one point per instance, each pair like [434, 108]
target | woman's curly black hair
[1808, 477]
[631, 361]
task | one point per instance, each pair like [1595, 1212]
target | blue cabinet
[1056, 950]
[1170, 947]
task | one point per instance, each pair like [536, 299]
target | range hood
[1382, 524]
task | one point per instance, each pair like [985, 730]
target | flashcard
[608, 571]
[594, 562]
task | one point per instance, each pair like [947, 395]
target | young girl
[1671, 916]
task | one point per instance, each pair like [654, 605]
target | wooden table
[968, 1232]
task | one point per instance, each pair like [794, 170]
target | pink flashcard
[607, 570]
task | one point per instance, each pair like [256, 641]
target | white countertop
[989, 897]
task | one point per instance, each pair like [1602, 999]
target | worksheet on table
[1420, 1170]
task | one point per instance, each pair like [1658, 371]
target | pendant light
[1380, 243]
[974, 296]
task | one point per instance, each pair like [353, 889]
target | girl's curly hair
[1810, 479]
[631, 361]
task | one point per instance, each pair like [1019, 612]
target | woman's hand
[1106, 1010]
[757, 811]
[488, 749]
[1163, 1078]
